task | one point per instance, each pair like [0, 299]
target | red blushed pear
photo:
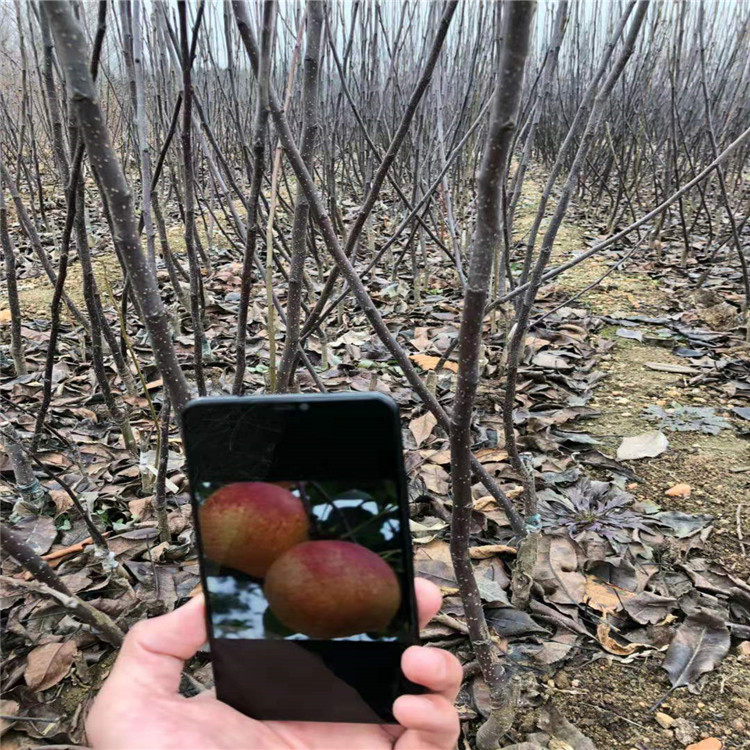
[248, 525]
[332, 589]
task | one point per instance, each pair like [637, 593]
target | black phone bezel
[306, 402]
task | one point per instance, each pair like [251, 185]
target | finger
[209, 694]
[431, 722]
[437, 670]
[429, 600]
[154, 651]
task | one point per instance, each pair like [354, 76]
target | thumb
[154, 651]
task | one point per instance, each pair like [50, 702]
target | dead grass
[35, 295]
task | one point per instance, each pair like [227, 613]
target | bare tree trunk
[160, 490]
[315, 14]
[30, 488]
[524, 310]
[394, 146]
[321, 216]
[199, 341]
[16, 339]
[722, 181]
[71, 47]
[515, 33]
[30, 230]
[260, 129]
[142, 130]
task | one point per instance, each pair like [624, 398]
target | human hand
[139, 707]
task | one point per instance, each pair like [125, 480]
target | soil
[612, 701]
[608, 700]
[612, 704]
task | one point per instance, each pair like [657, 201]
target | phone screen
[305, 553]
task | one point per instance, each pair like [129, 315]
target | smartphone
[300, 507]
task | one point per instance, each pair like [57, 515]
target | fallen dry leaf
[422, 427]
[556, 570]
[433, 561]
[440, 457]
[611, 645]
[679, 490]
[436, 479]
[49, 664]
[710, 743]
[701, 642]
[426, 362]
[558, 648]
[645, 445]
[649, 608]
[38, 532]
[8, 709]
[140, 507]
[491, 455]
[554, 723]
[61, 499]
[551, 361]
[603, 597]
[488, 506]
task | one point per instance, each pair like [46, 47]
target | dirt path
[610, 700]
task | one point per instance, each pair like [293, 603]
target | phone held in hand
[301, 513]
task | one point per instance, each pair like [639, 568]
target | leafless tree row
[320, 146]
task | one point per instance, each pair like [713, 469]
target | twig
[614, 713]
[740, 538]
[95, 533]
[451, 622]
[49, 583]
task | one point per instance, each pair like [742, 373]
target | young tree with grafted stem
[9, 255]
[315, 15]
[196, 289]
[49, 584]
[260, 128]
[71, 46]
[515, 33]
[343, 263]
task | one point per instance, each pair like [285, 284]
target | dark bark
[260, 129]
[70, 48]
[160, 490]
[9, 255]
[315, 11]
[188, 171]
[348, 272]
[29, 229]
[515, 33]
